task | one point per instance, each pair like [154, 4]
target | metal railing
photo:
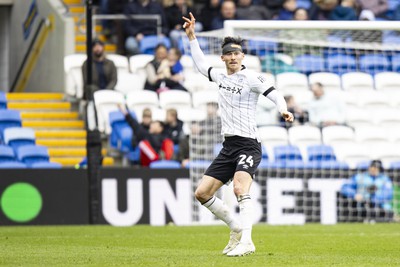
[155, 17]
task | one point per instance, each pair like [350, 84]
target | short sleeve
[214, 74]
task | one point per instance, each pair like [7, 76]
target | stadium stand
[54, 124]
[165, 164]
[7, 154]
[19, 136]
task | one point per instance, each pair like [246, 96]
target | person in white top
[240, 155]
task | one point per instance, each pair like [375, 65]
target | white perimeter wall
[48, 74]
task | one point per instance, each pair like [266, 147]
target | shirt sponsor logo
[233, 90]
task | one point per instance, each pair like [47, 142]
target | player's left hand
[288, 116]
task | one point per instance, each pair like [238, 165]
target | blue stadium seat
[165, 164]
[7, 154]
[287, 152]
[396, 63]
[265, 164]
[395, 165]
[306, 4]
[261, 47]
[45, 165]
[121, 132]
[294, 164]
[341, 64]
[19, 136]
[327, 165]
[217, 149]
[32, 153]
[13, 165]
[9, 118]
[3, 100]
[133, 155]
[363, 165]
[374, 63]
[320, 153]
[308, 64]
[149, 42]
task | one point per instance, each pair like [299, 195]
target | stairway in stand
[55, 125]
[77, 10]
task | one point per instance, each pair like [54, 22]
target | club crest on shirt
[261, 78]
[233, 90]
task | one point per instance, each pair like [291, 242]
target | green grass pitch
[309, 245]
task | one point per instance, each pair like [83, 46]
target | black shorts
[237, 154]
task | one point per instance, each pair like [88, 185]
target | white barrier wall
[48, 71]
[4, 47]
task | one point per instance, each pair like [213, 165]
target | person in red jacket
[153, 144]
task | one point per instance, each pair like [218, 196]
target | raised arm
[197, 54]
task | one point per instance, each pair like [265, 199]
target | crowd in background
[212, 14]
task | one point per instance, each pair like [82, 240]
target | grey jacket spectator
[228, 12]
[245, 10]
[104, 70]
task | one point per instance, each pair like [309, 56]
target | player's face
[233, 60]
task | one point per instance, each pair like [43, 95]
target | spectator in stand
[173, 126]
[300, 14]
[300, 115]
[209, 11]
[136, 29]
[370, 192]
[104, 70]
[174, 15]
[147, 118]
[287, 10]
[345, 11]
[378, 7]
[321, 9]
[174, 57]
[274, 6]
[325, 110]
[245, 10]
[228, 12]
[159, 72]
[153, 144]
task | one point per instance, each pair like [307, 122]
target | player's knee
[238, 190]
[201, 195]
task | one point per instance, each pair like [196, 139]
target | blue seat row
[33, 156]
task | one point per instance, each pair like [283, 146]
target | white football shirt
[238, 97]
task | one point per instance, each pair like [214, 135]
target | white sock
[246, 217]
[221, 211]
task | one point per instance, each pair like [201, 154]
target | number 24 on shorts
[246, 159]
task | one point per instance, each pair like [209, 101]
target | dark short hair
[232, 40]
[160, 45]
[97, 41]
[377, 164]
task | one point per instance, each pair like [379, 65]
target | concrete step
[60, 134]
[39, 105]
[49, 115]
[62, 142]
[109, 48]
[34, 96]
[74, 2]
[53, 124]
[72, 161]
[70, 152]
